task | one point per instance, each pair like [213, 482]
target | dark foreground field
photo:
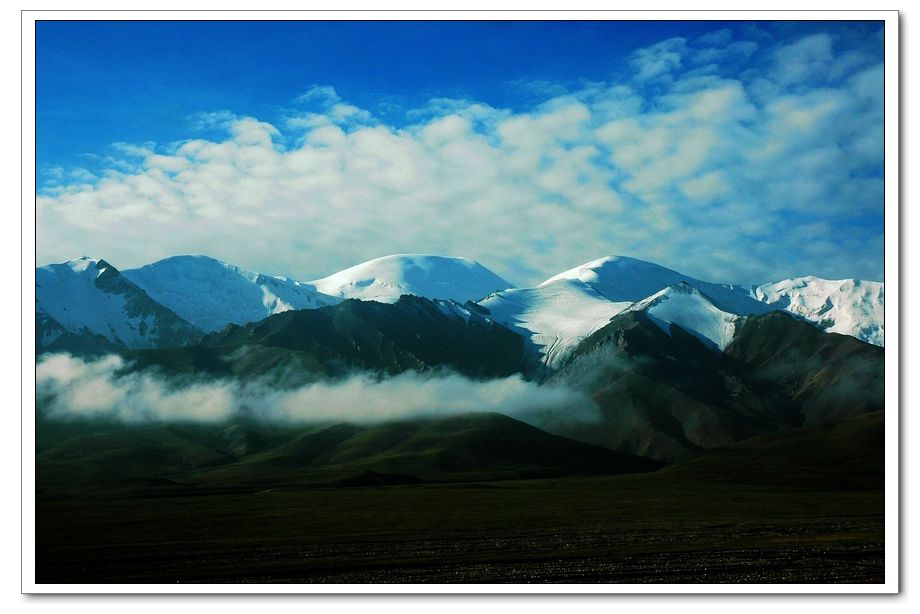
[622, 529]
[805, 506]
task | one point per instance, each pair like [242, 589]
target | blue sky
[136, 81]
[740, 152]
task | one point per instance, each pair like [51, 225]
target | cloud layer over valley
[104, 389]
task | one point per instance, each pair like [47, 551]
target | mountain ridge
[212, 294]
[552, 317]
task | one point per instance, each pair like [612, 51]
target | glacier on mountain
[554, 317]
[847, 306]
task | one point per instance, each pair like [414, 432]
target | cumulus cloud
[660, 59]
[106, 389]
[704, 156]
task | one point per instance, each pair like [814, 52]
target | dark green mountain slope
[835, 456]
[412, 334]
[472, 446]
[823, 376]
[669, 396]
[156, 458]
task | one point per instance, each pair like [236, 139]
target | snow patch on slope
[555, 317]
[688, 308]
[433, 277]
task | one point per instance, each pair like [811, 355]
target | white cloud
[716, 38]
[212, 120]
[104, 388]
[324, 94]
[69, 387]
[805, 60]
[692, 167]
[706, 187]
[659, 60]
[341, 112]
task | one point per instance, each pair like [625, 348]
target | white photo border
[892, 251]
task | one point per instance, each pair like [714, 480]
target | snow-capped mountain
[212, 294]
[87, 302]
[846, 306]
[433, 277]
[566, 308]
[555, 316]
[690, 309]
[620, 279]
[87, 297]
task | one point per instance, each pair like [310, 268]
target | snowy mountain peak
[198, 263]
[554, 317]
[88, 296]
[434, 277]
[681, 288]
[206, 260]
[846, 306]
[621, 278]
[84, 264]
[689, 308]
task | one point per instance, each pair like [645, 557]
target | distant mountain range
[674, 365]
[87, 303]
